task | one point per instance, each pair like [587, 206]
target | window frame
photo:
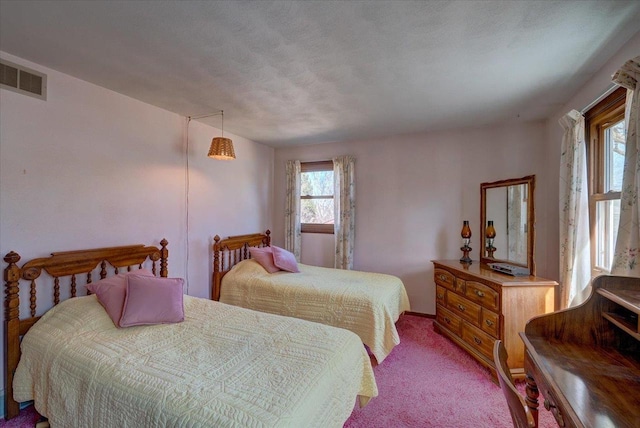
[312, 167]
[597, 119]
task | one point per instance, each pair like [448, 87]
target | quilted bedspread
[223, 366]
[366, 303]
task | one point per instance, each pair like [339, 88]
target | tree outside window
[316, 190]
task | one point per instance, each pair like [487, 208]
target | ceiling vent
[23, 80]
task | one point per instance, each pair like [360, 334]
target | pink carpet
[427, 381]
[26, 419]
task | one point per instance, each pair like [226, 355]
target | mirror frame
[531, 181]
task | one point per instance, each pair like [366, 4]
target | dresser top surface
[481, 270]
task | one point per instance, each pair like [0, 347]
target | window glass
[607, 218]
[615, 142]
[316, 197]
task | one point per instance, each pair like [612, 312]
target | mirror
[508, 204]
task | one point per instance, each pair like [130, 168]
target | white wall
[318, 249]
[93, 168]
[412, 194]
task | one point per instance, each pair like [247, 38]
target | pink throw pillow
[284, 259]
[264, 256]
[111, 292]
[151, 300]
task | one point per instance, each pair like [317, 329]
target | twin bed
[222, 366]
[367, 304]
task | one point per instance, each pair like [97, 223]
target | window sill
[317, 228]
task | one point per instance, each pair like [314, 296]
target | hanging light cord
[221, 112]
[186, 183]
[189, 118]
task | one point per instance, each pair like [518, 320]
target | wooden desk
[586, 360]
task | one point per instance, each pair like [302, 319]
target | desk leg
[532, 396]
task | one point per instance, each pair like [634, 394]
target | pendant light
[221, 148]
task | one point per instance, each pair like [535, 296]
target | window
[316, 190]
[606, 136]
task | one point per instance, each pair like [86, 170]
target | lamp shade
[221, 148]
[466, 230]
[490, 231]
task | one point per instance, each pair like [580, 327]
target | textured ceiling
[302, 72]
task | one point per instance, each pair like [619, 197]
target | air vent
[23, 80]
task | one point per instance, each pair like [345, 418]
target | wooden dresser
[476, 305]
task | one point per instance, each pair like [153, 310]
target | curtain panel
[626, 260]
[575, 257]
[292, 227]
[344, 200]
[516, 238]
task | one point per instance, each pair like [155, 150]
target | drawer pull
[443, 278]
[462, 308]
[479, 293]
[447, 320]
[478, 341]
[489, 323]
[440, 296]
[556, 412]
[548, 405]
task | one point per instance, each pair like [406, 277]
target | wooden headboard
[231, 251]
[72, 264]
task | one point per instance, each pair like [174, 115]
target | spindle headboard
[231, 251]
[61, 265]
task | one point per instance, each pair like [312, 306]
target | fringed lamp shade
[221, 148]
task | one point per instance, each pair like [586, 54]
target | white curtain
[575, 257]
[344, 210]
[292, 233]
[626, 260]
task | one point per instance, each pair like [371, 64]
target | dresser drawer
[478, 339]
[491, 305]
[466, 309]
[441, 294]
[448, 319]
[490, 322]
[482, 294]
[445, 279]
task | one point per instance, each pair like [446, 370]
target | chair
[520, 413]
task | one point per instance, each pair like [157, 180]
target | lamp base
[490, 251]
[465, 254]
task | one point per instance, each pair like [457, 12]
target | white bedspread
[366, 303]
[223, 366]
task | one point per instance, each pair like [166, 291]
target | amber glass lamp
[466, 240]
[490, 234]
